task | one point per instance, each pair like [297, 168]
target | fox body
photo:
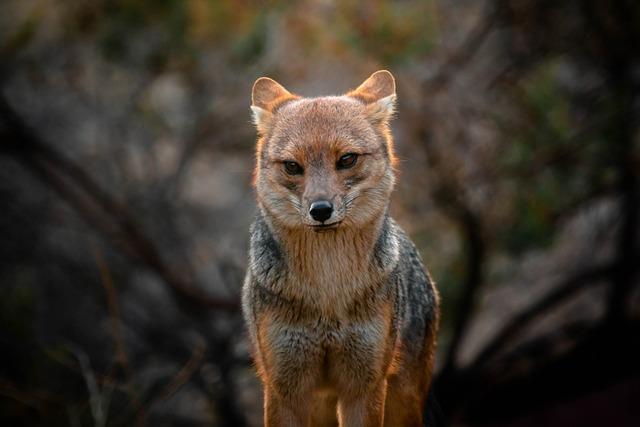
[341, 314]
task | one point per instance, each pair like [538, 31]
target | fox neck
[329, 269]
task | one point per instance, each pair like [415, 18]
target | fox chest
[301, 357]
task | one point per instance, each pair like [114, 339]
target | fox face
[324, 163]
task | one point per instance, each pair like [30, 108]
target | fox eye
[347, 161]
[293, 168]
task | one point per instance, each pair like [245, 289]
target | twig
[35, 399]
[115, 321]
[178, 381]
[99, 398]
[187, 371]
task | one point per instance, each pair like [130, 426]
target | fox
[341, 313]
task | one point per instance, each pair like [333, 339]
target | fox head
[324, 163]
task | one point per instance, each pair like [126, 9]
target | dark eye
[293, 168]
[347, 161]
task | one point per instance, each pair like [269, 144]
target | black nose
[321, 210]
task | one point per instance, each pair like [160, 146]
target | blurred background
[126, 157]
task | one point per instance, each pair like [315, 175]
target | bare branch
[559, 294]
[98, 208]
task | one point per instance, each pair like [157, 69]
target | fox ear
[378, 92]
[265, 96]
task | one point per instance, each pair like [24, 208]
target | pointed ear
[378, 93]
[266, 95]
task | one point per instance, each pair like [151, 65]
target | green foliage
[553, 161]
[543, 161]
[548, 104]
[19, 39]
[390, 32]
[532, 225]
[122, 19]
[250, 46]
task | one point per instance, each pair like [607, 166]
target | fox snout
[321, 196]
[321, 210]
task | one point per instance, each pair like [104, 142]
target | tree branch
[559, 294]
[98, 208]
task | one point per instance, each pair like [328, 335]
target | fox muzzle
[321, 210]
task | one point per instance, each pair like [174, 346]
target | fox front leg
[281, 413]
[290, 362]
[364, 411]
